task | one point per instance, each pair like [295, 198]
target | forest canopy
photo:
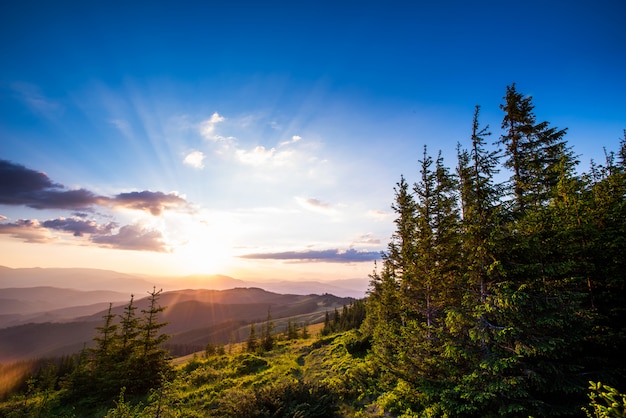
[499, 298]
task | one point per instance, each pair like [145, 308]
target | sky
[263, 140]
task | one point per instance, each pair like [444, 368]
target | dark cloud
[327, 256]
[21, 186]
[133, 237]
[153, 202]
[129, 237]
[79, 226]
[26, 230]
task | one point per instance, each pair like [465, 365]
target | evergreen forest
[501, 294]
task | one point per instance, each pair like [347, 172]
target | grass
[313, 377]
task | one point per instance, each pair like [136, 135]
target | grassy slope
[302, 374]
[213, 386]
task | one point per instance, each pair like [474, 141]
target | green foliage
[123, 409]
[503, 310]
[350, 317]
[250, 364]
[605, 402]
[127, 356]
[252, 343]
[285, 399]
[267, 340]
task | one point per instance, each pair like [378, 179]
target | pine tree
[252, 342]
[409, 301]
[267, 341]
[152, 359]
[534, 151]
[106, 335]
[305, 331]
[598, 216]
[129, 327]
[126, 376]
[431, 288]
[384, 319]
[104, 361]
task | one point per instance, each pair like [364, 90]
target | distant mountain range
[38, 319]
[96, 279]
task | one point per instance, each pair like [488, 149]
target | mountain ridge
[87, 279]
[193, 316]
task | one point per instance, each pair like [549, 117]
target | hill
[195, 317]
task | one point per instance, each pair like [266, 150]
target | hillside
[304, 377]
[194, 317]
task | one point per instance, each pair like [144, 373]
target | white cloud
[259, 155]
[293, 140]
[378, 215]
[207, 128]
[195, 159]
[314, 204]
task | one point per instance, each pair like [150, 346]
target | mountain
[37, 299]
[74, 278]
[195, 317]
[95, 279]
[50, 304]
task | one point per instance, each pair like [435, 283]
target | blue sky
[264, 139]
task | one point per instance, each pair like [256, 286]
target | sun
[204, 247]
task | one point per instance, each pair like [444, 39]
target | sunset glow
[264, 141]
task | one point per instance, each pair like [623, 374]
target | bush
[288, 399]
[250, 364]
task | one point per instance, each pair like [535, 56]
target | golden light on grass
[12, 375]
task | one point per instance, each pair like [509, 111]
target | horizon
[99, 280]
[264, 142]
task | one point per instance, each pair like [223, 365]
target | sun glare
[204, 247]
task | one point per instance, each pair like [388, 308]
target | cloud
[152, 202]
[260, 156]
[207, 128]
[195, 159]
[133, 237]
[324, 256]
[129, 237]
[21, 186]
[257, 156]
[313, 204]
[367, 239]
[26, 230]
[293, 140]
[275, 125]
[378, 215]
[79, 226]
